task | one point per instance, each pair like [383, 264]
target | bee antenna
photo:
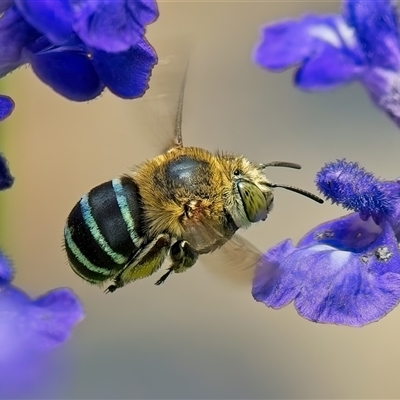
[178, 118]
[297, 190]
[281, 164]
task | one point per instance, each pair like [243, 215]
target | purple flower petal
[330, 51]
[41, 324]
[349, 232]
[6, 270]
[15, 34]
[69, 72]
[270, 283]
[376, 25]
[6, 107]
[330, 68]
[290, 42]
[126, 74]
[52, 317]
[76, 68]
[350, 288]
[332, 284]
[394, 219]
[384, 89]
[284, 44]
[5, 4]
[28, 330]
[6, 179]
[113, 25]
[53, 18]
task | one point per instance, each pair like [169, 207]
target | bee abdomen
[104, 229]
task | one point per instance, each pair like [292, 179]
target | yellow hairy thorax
[172, 204]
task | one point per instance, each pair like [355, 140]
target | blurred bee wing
[203, 236]
[234, 259]
[235, 262]
[161, 107]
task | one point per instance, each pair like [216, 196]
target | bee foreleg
[164, 277]
[182, 256]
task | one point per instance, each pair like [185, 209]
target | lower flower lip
[330, 281]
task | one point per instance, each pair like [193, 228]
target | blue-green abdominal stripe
[95, 231]
[80, 257]
[126, 212]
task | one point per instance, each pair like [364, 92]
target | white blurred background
[197, 337]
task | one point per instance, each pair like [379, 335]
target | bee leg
[111, 288]
[142, 265]
[117, 283]
[182, 256]
[164, 277]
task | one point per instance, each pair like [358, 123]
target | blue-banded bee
[184, 203]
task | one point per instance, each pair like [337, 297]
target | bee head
[251, 197]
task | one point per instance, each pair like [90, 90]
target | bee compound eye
[255, 203]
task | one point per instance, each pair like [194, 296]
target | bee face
[249, 199]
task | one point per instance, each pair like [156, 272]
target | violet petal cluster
[79, 47]
[328, 51]
[29, 328]
[345, 271]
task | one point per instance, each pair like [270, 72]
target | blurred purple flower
[345, 271]
[361, 45]
[6, 108]
[28, 328]
[79, 47]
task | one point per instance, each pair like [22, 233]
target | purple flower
[362, 45]
[350, 185]
[29, 329]
[345, 271]
[79, 47]
[6, 108]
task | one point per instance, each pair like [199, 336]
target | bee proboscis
[184, 203]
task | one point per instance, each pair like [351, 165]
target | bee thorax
[196, 209]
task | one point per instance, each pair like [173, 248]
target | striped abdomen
[104, 230]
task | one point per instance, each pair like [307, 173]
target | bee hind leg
[182, 256]
[142, 264]
[111, 288]
[118, 283]
[117, 280]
